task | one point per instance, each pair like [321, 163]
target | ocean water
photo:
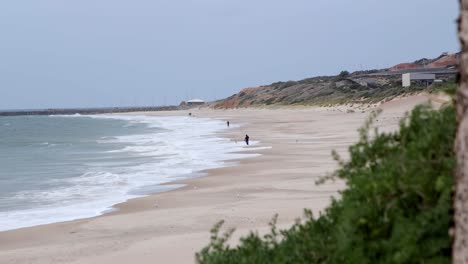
[61, 168]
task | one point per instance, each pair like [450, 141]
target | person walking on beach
[247, 139]
[227, 123]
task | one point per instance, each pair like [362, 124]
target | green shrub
[449, 87]
[396, 209]
[343, 74]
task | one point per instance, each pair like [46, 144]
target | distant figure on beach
[247, 139]
[227, 123]
[190, 114]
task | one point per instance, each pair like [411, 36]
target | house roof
[196, 101]
[421, 76]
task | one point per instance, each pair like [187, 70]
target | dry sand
[170, 227]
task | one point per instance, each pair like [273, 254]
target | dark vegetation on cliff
[397, 207]
[356, 87]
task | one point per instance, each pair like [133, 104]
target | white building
[421, 78]
[195, 102]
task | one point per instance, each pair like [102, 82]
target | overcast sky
[87, 53]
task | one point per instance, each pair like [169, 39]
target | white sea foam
[179, 147]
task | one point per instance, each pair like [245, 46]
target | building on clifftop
[195, 102]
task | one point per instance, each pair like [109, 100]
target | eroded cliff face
[240, 99]
[446, 60]
[301, 92]
[323, 90]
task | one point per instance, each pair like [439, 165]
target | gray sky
[140, 52]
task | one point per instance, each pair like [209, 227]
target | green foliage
[449, 87]
[283, 85]
[343, 74]
[396, 209]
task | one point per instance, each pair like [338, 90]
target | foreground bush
[396, 209]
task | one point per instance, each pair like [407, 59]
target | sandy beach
[295, 150]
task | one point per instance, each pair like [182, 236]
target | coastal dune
[295, 147]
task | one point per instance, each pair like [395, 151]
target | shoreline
[170, 226]
[209, 129]
[135, 204]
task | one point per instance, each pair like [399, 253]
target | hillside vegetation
[322, 91]
[397, 207]
[357, 87]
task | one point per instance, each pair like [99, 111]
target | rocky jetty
[87, 111]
